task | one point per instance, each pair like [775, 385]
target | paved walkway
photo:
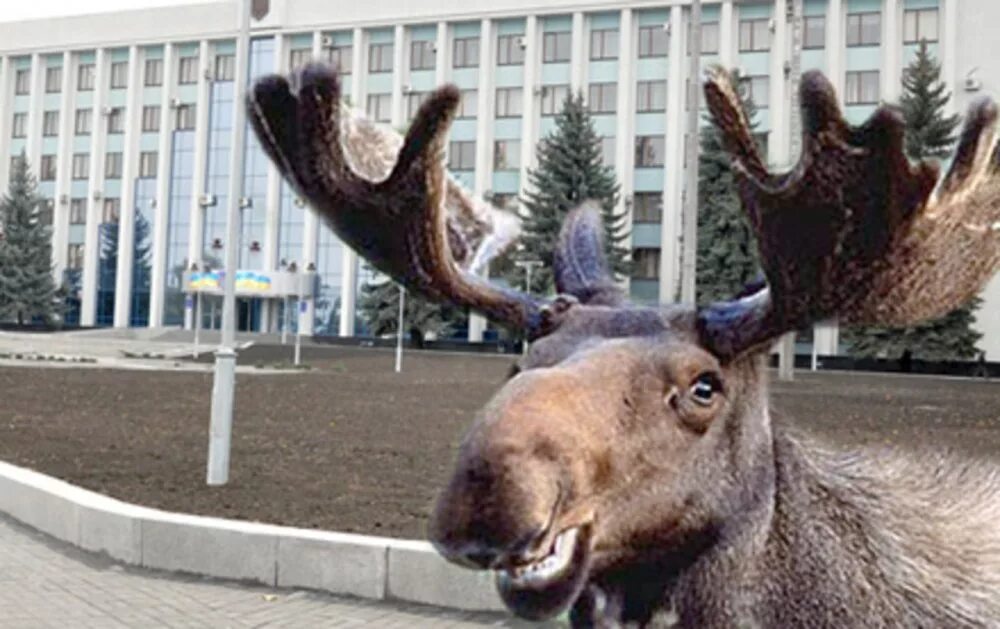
[44, 584]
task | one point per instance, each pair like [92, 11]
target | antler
[390, 199]
[854, 230]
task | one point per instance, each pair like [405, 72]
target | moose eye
[704, 388]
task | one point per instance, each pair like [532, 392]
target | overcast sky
[30, 9]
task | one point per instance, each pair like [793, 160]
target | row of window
[649, 153]
[80, 166]
[86, 73]
[184, 119]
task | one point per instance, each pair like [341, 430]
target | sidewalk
[45, 584]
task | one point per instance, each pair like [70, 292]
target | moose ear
[581, 267]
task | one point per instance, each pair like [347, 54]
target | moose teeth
[547, 569]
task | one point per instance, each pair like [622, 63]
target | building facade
[126, 119]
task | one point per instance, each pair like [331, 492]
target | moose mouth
[546, 587]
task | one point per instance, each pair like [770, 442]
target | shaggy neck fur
[858, 539]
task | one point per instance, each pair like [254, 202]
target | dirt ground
[352, 446]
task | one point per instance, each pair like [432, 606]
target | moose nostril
[481, 558]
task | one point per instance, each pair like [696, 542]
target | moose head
[631, 440]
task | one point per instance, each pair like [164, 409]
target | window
[608, 150]
[553, 97]
[187, 70]
[647, 207]
[380, 107]
[77, 211]
[465, 52]
[380, 58]
[113, 166]
[761, 140]
[19, 125]
[462, 155]
[507, 155]
[151, 118]
[81, 165]
[755, 35]
[15, 163]
[645, 264]
[413, 102]
[602, 98]
[505, 201]
[147, 164]
[510, 50]
[649, 150]
[85, 77]
[468, 107]
[653, 41]
[760, 89]
[864, 29]
[50, 124]
[119, 74]
[53, 80]
[298, 58]
[862, 88]
[651, 96]
[508, 103]
[116, 120]
[920, 25]
[604, 44]
[111, 210]
[556, 47]
[83, 121]
[22, 82]
[153, 74]
[47, 168]
[74, 256]
[422, 55]
[340, 57]
[186, 117]
[813, 31]
[45, 212]
[709, 38]
[225, 67]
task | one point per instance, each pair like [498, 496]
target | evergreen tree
[570, 171]
[27, 290]
[929, 134]
[379, 307]
[108, 264]
[727, 252]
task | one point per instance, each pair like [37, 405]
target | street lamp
[223, 387]
[399, 329]
[527, 265]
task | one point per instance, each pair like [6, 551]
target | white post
[197, 321]
[285, 323]
[298, 333]
[225, 358]
[527, 265]
[399, 331]
[689, 245]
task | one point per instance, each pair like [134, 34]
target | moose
[629, 470]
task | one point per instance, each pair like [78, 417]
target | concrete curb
[340, 563]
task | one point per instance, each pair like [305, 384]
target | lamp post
[689, 248]
[197, 312]
[527, 265]
[223, 387]
[399, 329]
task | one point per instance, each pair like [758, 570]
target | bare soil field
[352, 446]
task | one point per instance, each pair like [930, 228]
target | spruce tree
[929, 134]
[378, 304]
[727, 253]
[108, 265]
[570, 171]
[27, 290]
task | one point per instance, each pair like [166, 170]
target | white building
[125, 118]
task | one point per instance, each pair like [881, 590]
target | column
[777, 145]
[529, 108]
[670, 258]
[625, 121]
[948, 12]
[400, 72]
[727, 38]
[196, 228]
[484, 138]
[442, 56]
[892, 43]
[348, 257]
[835, 45]
[95, 198]
[578, 54]
[159, 238]
[130, 164]
[60, 219]
[6, 107]
[33, 143]
[272, 199]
